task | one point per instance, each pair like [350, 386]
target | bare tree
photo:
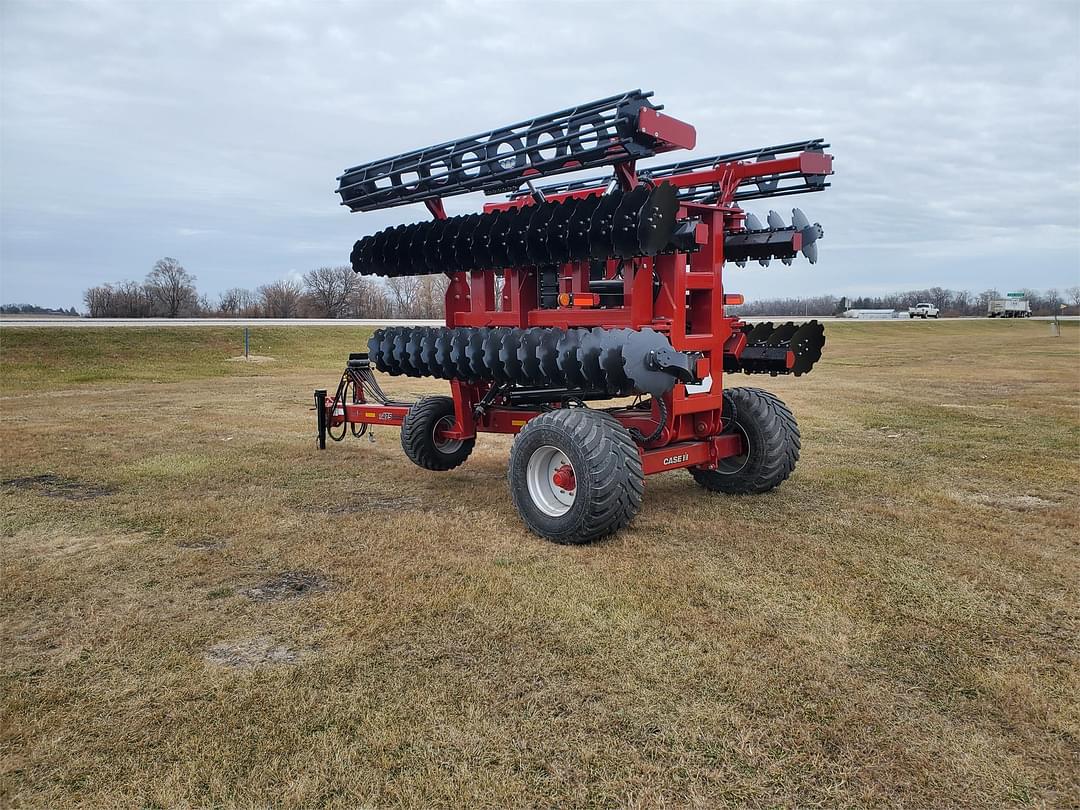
[98, 301]
[370, 300]
[229, 302]
[132, 300]
[1073, 296]
[405, 291]
[985, 297]
[172, 288]
[431, 296]
[281, 299]
[330, 289]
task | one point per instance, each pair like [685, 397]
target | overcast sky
[213, 132]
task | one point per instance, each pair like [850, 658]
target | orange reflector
[733, 299]
[578, 299]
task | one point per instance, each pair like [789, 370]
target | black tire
[772, 436]
[418, 436]
[609, 479]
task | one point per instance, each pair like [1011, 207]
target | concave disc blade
[589, 355]
[386, 350]
[753, 223]
[378, 266]
[475, 352]
[624, 239]
[656, 222]
[800, 222]
[401, 354]
[782, 334]
[374, 347]
[427, 352]
[536, 239]
[481, 244]
[463, 242]
[569, 363]
[492, 345]
[759, 334]
[636, 351]
[359, 265]
[577, 236]
[549, 356]
[431, 245]
[775, 221]
[416, 247]
[443, 362]
[412, 351]
[517, 242]
[407, 251]
[600, 245]
[459, 353]
[529, 355]
[499, 239]
[447, 260]
[558, 235]
[611, 360]
[391, 250]
[508, 357]
[806, 345]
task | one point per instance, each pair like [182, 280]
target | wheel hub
[443, 443]
[563, 478]
[551, 481]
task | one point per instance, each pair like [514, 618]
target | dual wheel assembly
[575, 473]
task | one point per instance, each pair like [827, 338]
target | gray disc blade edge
[635, 353]
[656, 222]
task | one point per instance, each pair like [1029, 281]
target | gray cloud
[213, 132]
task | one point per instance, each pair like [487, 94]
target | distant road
[78, 323]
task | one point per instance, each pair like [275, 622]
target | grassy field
[201, 610]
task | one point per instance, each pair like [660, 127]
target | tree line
[951, 302]
[169, 291]
[34, 309]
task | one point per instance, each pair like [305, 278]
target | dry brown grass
[897, 625]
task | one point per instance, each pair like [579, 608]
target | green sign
[1014, 295]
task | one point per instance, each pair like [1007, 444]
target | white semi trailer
[1012, 306]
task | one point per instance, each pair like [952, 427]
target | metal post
[246, 342]
[320, 415]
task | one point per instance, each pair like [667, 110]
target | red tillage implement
[568, 294]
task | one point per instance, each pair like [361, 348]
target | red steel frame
[691, 293]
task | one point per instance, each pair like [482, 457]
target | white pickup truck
[923, 311]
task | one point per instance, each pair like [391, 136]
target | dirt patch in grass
[58, 486]
[287, 585]
[353, 504]
[250, 653]
[1019, 503]
[201, 545]
[253, 358]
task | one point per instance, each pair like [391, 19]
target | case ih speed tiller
[611, 287]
